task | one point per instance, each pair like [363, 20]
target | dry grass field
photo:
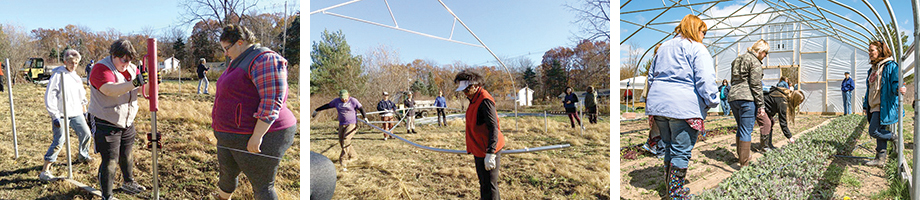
[396, 170]
[188, 166]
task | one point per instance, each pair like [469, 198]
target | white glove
[490, 161]
[365, 119]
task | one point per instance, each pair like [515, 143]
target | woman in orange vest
[483, 135]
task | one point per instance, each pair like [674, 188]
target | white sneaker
[132, 188]
[45, 176]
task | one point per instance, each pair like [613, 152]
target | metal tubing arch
[524, 150]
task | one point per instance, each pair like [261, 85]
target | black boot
[765, 142]
[770, 142]
[676, 189]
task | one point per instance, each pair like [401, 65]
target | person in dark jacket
[723, 95]
[202, 76]
[483, 134]
[779, 103]
[410, 122]
[847, 87]
[569, 103]
[591, 105]
[387, 107]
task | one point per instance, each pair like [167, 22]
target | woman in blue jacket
[880, 102]
[682, 88]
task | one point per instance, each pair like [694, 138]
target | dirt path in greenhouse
[713, 158]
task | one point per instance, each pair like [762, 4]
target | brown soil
[713, 158]
[396, 170]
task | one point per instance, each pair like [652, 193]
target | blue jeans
[725, 107]
[744, 117]
[879, 132]
[847, 102]
[206, 83]
[678, 138]
[78, 124]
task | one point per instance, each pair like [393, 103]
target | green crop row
[795, 171]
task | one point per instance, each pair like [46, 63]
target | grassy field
[187, 164]
[396, 170]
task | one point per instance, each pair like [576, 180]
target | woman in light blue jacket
[682, 88]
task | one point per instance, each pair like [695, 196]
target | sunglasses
[228, 46]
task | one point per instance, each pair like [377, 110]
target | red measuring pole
[152, 91]
[153, 86]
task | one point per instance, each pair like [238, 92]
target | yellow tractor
[34, 70]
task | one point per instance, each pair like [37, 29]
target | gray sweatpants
[259, 169]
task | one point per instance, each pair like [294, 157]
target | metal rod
[401, 29]
[65, 125]
[510, 76]
[391, 13]
[9, 81]
[153, 126]
[545, 123]
[331, 7]
[247, 152]
[524, 150]
[914, 190]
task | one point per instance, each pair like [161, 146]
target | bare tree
[629, 67]
[226, 12]
[594, 17]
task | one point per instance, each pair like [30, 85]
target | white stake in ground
[65, 126]
[9, 84]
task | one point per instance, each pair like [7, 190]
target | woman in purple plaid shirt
[250, 114]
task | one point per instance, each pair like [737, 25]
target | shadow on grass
[654, 172]
[18, 184]
[826, 188]
[20, 171]
[71, 194]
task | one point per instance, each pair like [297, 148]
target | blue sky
[509, 28]
[646, 38]
[125, 16]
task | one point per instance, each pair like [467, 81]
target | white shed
[526, 97]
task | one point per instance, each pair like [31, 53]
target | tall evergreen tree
[334, 66]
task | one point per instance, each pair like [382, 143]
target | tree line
[336, 67]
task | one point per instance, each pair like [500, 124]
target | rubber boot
[880, 159]
[770, 141]
[676, 189]
[766, 142]
[744, 153]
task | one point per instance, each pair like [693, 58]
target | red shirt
[101, 74]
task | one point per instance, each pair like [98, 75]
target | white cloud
[640, 19]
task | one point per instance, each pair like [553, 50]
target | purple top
[346, 110]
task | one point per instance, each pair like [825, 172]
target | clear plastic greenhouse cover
[822, 61]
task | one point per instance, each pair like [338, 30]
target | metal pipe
[9, 82]
[672, 6]
[510, 76]
[545, 123]
[524, 150]
[857, 12]
[153, 99]
[914, 179]
[331, 7]
[391, 13]
[65, 125]
[401, 29]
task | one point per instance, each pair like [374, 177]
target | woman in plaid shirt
[250, 113]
